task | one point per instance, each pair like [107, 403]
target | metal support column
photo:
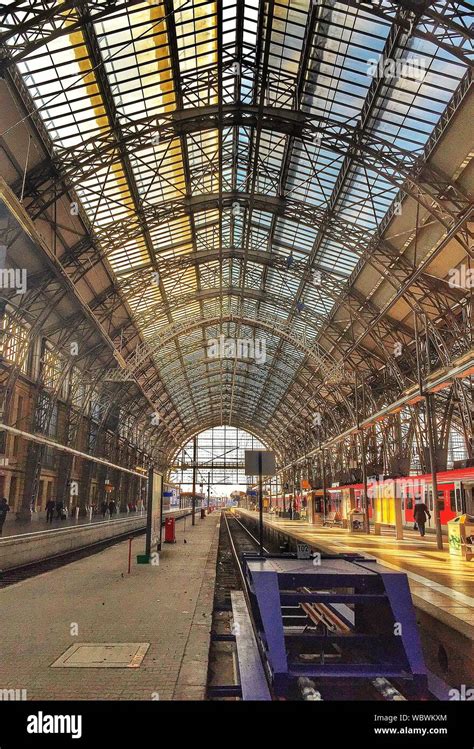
[323, 481]
[260, 502]
[434, 481]
[193, 498]
[429, 432]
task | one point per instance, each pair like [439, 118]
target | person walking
[4, 509]
[112, 507]
[103, 508]
[420, 513]
[59, 509]
[50, 507]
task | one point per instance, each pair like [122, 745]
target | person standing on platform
[59, 509]
[112, 507]
[104, 508]
[50, 506]
[420, 513]
[4, 508]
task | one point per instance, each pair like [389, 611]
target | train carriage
[455, 496]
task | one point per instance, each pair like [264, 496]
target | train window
[441, 500]
[459, 497]
[452, 500]
[409, 503]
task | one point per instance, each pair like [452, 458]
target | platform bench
[331, 519]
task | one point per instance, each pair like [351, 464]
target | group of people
[4, 510]
[420, 513]
[109, 507]
[55, 506]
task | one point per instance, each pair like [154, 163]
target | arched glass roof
[250, 171]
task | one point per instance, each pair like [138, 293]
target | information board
[267, 461]
[154, 512]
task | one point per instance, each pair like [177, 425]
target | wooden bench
[331, 519]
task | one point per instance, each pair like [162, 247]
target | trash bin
[170, 531]
[454, 536]
[356, 521]
[461, 536]
[467, 537]
[203, 513]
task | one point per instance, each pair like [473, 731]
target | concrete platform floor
[168, 606]
[439, 579]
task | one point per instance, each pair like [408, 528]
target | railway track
[236, 539]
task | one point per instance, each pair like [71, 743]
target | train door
[428, 500]
[409, 504]
[443, 504]
[458, 499]
[467, 497]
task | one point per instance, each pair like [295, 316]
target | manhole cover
[103, 655]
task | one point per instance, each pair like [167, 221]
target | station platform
[435, 577]
[38, 522]
[442, 586]
[161, 612]
[13, 528]
[34, 542]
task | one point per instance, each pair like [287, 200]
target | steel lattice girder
[303, 383]
[272, 325]
[41, 300]
[385, 259]
[251, 198]
[282, 304]
[35, 24]
[138, 281]
[376, 313]
[404, 169]
[232, 198]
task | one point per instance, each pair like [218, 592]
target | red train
[455, 496]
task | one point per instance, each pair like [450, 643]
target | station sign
[303, 551]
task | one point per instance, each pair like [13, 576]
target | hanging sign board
[252, 462]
